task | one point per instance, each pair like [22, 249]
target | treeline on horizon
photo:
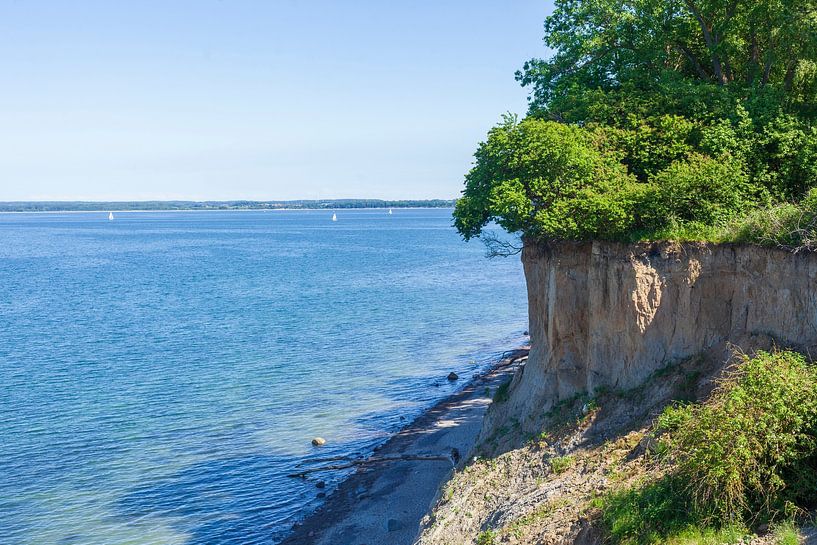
[89, 206]
[656, 120]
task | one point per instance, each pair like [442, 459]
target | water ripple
[164, 372]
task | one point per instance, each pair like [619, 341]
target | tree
[655, 48]
[653, 119]
[546, 181]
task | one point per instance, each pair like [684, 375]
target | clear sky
[241, 99]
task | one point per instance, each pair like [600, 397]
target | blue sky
[239, 99]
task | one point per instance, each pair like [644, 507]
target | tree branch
[703, 74]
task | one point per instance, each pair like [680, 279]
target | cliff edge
[608, 315]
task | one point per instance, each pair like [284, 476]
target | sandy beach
[384, 503]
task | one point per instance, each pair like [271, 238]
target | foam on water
[161, 373]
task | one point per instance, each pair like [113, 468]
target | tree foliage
[546, 180]
[652, 115]
[751, 449]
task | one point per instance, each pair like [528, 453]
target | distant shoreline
[210, 206]
[146, 210]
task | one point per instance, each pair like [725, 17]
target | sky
[264, 100]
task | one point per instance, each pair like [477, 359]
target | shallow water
[161, 373]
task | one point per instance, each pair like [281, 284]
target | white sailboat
[390, 211]
[110, 216]
[334, 217]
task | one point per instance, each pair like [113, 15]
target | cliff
[608, 315]
[618, 332]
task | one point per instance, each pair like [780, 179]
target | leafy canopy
[653, 118]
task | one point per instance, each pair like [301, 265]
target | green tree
[654, 119]
[648, 52]
[547, 181]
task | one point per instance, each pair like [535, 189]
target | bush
[700, 190]
[789, 226]
[751, 449]
[503, 392]
[547, 181]
[647, 146]
[488, 537]
[745, 456]
[560, 464]
[658, 513]
[641, 180]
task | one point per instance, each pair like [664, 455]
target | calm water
[161, 373]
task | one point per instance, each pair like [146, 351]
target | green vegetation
[745, 456]
[503, 392]
[488, 537]
[658, 513]
[688, 119]
[786, 534]
[560, 464]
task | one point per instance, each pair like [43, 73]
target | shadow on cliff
[609, 318]
[609, 413]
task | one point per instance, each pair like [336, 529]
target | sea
[162, 373]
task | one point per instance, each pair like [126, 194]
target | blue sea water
[160, 374]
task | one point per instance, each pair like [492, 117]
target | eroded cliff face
[610, 315]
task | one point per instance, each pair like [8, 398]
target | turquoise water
[160, 374]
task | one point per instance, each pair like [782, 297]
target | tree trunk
[709, 39]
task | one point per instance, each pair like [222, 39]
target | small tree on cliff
[545, 181]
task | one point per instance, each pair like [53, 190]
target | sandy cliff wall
[607, 314]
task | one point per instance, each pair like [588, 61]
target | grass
[560, 464]
[658, 512]
[745, 456]
[488, 537]
[788, 226]
[785, 533]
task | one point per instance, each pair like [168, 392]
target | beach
[385, 502]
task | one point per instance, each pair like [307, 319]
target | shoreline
[128, 211]
[386, 502]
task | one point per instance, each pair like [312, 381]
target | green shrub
[502, 393]
[547, 181]
[700, 190]
[560, 464]
[746, 455]
[673, 417]
[789, 226]
[751, 448]
[488, 537]
[648, 145]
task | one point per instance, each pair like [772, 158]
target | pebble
[319, 441]
[453, 376]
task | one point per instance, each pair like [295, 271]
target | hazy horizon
[247, 100]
